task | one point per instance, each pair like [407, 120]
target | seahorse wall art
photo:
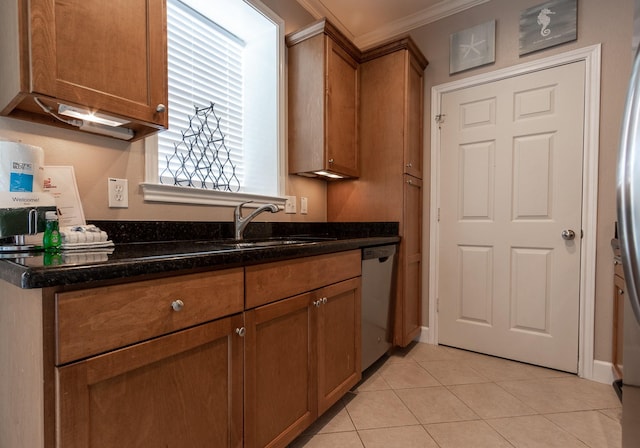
[544, 21]
[548, 24]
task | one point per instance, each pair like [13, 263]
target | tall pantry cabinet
[390, 186]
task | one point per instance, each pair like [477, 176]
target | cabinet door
[341, 113]
[339, 341]
[413, 110]
[108, 55]
[409, 309]
[280, 400]
[183, 389]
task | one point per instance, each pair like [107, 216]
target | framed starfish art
[472, 47]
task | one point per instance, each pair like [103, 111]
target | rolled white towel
[83, 234]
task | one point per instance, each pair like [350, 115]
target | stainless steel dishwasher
[378, 269]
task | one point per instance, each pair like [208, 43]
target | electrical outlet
[118, 192]
[290, 205]
[303, 205]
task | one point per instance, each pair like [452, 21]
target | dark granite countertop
[144, 248]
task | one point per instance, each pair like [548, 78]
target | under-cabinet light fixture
[94, 117]
[328, 174]
[116, 132]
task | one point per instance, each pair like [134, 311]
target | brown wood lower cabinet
[302, 354]
[179, 390]
[163, 362]
[409, 296]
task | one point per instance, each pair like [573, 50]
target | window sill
[186, 195]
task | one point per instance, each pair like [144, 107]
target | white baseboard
[424, 336]
[602, 371]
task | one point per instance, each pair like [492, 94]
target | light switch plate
[290, 205]
[303, 205]
[118, 192]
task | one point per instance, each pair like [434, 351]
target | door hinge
[438, 216]
[440, 118]
[437, 304]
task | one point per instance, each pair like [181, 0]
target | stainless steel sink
[271, 242]
[229, 244]
[266, 243]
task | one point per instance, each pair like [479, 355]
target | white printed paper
[60, 182]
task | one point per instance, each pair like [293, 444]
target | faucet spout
[240, 222]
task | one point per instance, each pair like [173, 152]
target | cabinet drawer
[273, 281]
[96, 320]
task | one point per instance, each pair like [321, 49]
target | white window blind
[204, 67]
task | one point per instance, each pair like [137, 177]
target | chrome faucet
[241, 223]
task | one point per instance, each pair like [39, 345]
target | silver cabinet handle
[319, 302]
[161, 108]
[621, 292]
[241, 331]
[177, 305]
[330, 160]
[409, 165]
[568, 234]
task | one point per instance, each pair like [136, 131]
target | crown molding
[440, 10]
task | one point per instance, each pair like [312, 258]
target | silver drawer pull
[241, 331]
[177, 305]
[324, 300]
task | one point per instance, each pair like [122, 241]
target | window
[227, 53]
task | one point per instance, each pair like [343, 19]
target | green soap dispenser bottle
[51, 239]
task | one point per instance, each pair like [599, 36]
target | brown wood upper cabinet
[108, 57]
[323, 102]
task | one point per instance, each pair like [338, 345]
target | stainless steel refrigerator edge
[628, 192]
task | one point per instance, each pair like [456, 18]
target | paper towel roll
[21, 167]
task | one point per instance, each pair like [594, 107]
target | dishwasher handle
[381, 252]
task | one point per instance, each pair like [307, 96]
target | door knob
[568, 234]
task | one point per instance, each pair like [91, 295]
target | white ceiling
[368, 22]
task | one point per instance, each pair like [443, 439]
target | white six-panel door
[511, 184]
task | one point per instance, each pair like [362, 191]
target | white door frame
[591, 56]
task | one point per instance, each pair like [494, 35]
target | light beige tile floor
[438, 397]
